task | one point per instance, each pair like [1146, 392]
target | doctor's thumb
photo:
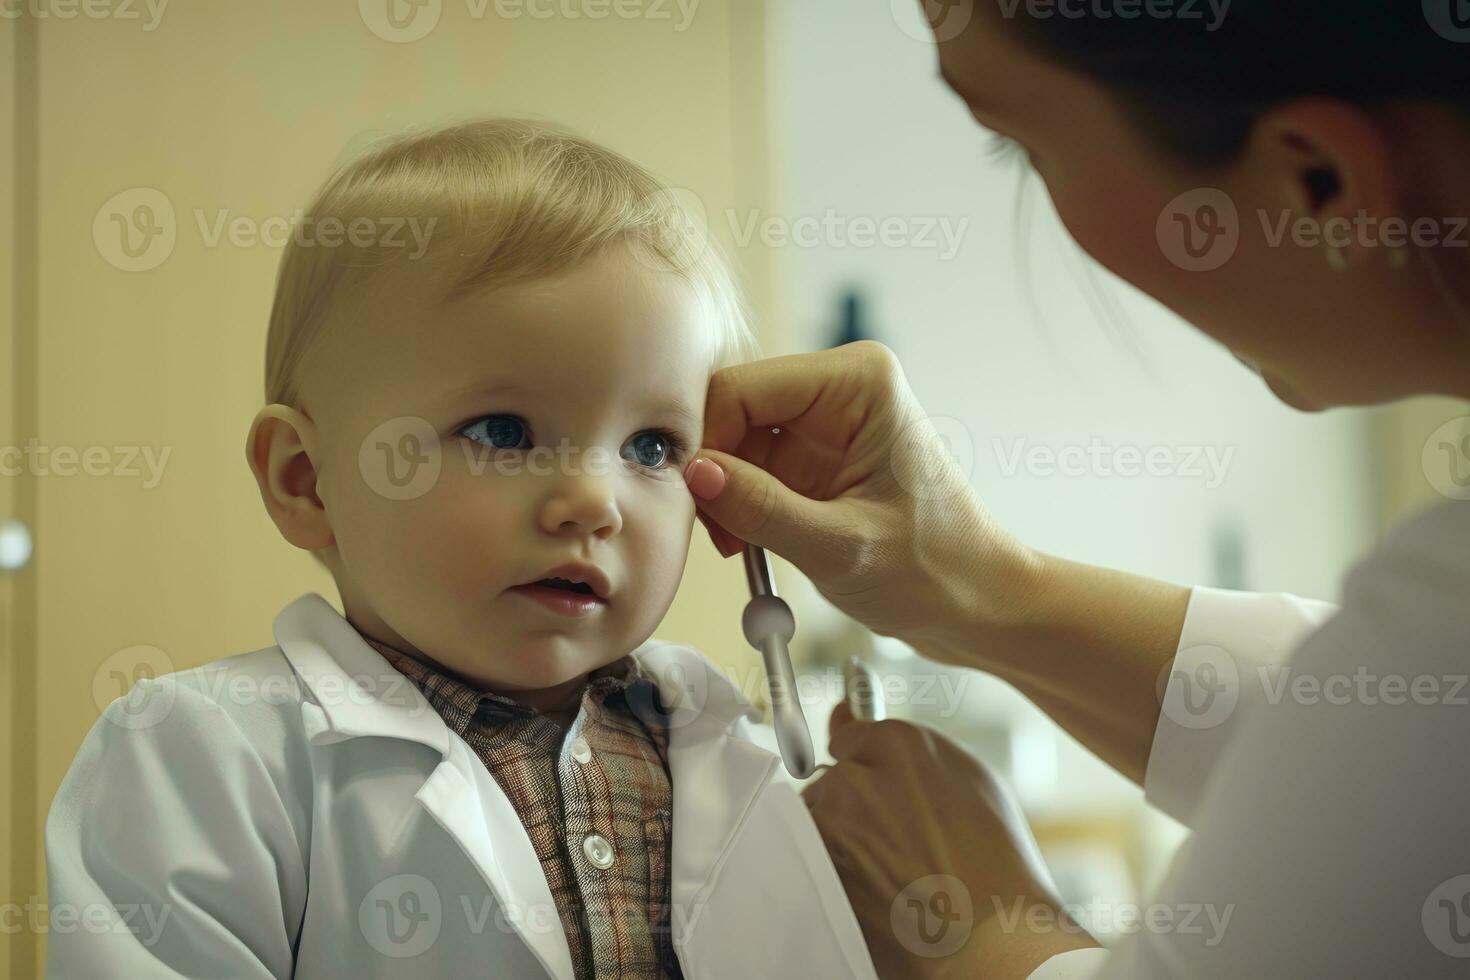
[848, 733]
[841, 717]
[752, 506]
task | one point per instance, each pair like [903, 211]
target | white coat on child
[279, 814]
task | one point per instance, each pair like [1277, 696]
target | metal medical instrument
[864, 695]
[768, 626]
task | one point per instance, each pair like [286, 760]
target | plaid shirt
[595, 800]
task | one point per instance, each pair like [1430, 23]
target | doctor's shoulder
[1411, 594]
[1394, 652]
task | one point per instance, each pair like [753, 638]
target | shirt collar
[346, 694]
[622, 684]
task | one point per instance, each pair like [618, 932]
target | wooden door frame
[20, 827]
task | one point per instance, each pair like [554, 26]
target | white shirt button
[581, 751]
[598, 851]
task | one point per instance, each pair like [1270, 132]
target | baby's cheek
[664, 549]
[463, 536]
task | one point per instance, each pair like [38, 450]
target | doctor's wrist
[1014, 943]
[988, 587]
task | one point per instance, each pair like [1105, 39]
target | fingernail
[704, 478]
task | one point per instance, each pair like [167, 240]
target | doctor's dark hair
[1195, 92]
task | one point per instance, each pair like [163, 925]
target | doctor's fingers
[915, 761]
[878, 743]
[838, 788]
[827, 396]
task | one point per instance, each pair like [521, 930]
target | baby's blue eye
[498, 431]
[651, 449]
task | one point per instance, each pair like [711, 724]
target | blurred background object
[145, 148]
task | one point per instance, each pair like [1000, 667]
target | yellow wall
[244, 107]
[1413, 468]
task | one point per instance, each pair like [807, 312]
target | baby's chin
[541, 663]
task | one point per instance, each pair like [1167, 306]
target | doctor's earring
[1398, 257]
[1336, 258]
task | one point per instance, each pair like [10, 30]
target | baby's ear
[281, 449]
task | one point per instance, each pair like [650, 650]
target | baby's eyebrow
[682, 413]
[674, 409]
[486, 388]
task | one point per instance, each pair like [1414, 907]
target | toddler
[483, 765]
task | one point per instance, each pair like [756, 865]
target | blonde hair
[503, 201]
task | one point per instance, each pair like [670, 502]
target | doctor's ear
[282, 450]
[1331, 162]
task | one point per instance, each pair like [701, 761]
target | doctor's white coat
[301, 811]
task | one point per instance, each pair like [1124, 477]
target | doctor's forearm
[1087, 645]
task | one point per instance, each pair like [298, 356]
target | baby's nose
[579, 507]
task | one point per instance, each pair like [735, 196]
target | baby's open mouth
[574, 588]
[561, 583]
[561, 595]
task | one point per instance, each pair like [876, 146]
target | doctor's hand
[936, 857]
[828, 460]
